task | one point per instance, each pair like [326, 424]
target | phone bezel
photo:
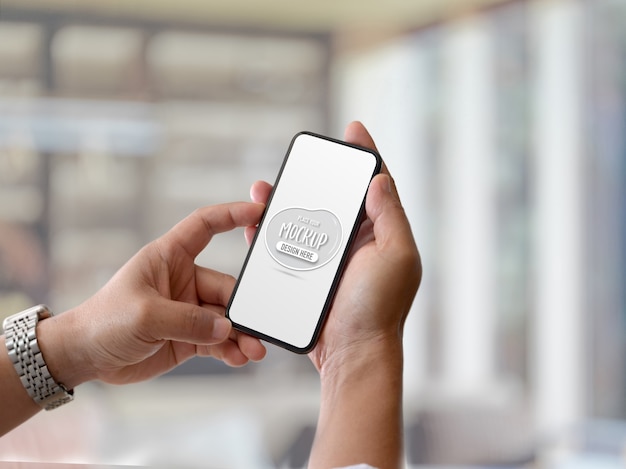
[342, 263]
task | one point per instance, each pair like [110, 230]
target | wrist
[360, 418]
[59, 338]
[362, 361]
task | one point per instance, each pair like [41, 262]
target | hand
[381, 277]
[159, 310]
[359, 354]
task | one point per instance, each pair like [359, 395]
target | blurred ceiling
[309, 16]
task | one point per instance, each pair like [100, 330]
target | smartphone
[294, 264]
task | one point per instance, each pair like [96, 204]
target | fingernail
[221, 329]
[387, 184]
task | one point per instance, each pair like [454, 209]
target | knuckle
[195, 323]
[410, 263]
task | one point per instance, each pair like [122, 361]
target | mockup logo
[302, 239]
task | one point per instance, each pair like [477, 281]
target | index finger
[194, 232]
[357, 134]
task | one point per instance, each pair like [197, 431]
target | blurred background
[503, 123]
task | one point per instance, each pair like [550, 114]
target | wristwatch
[21, 342]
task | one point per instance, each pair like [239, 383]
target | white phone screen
[294, 264]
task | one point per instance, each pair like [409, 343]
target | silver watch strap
[21, 342]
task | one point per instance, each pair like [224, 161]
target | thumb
[392, 231]
[384, 208]
[190, 323]
[381, 197]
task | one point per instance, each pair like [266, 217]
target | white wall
[429, 104]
